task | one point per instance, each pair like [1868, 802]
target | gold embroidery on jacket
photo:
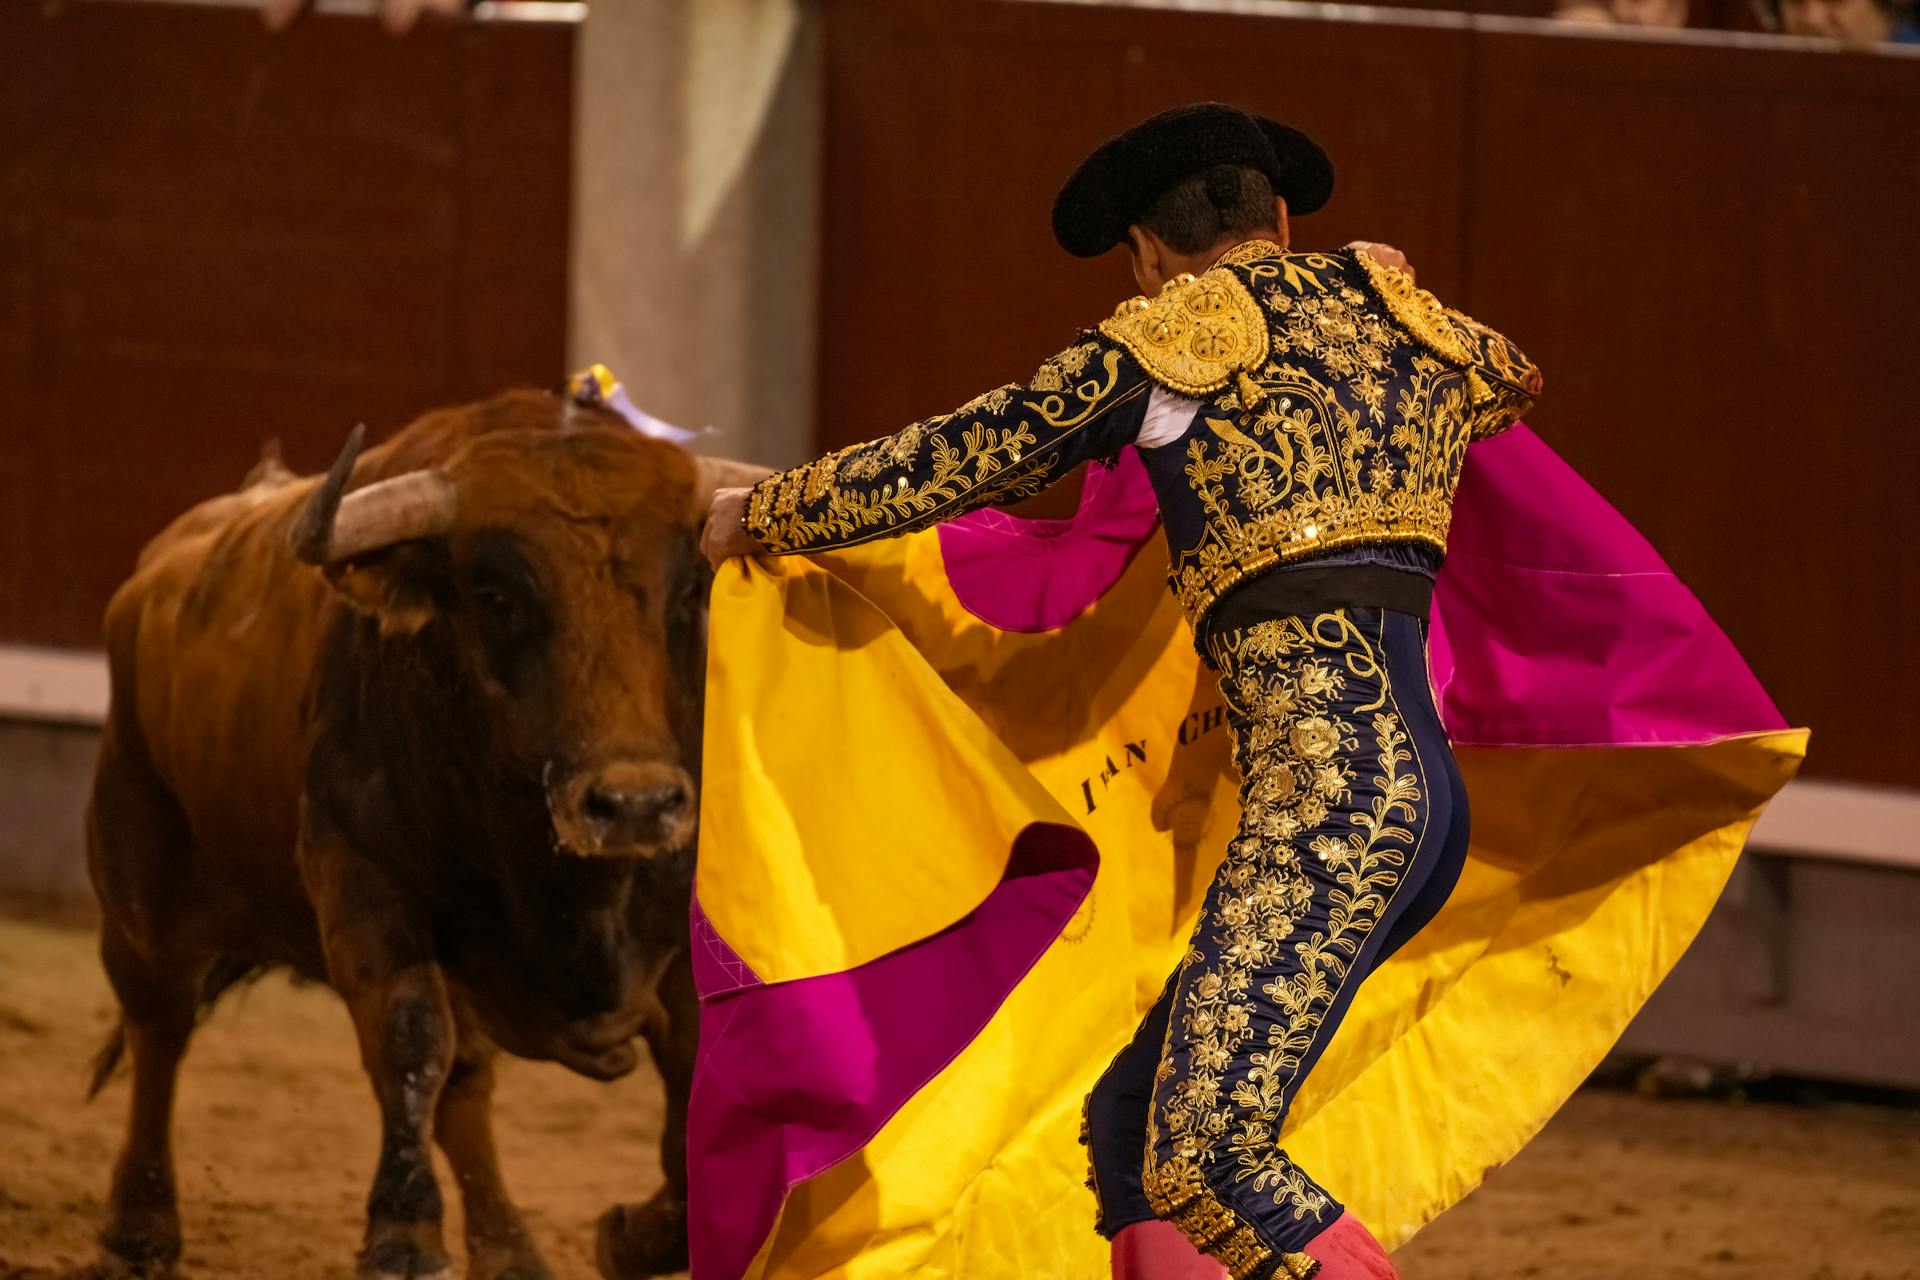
[940, 463]
[1417, 309]
[1510, 382]
[1503, 382]
[1297, 747]
[1357, 436]
[1348, 428]
[1196, 335]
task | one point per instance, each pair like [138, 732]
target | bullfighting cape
[963, 792]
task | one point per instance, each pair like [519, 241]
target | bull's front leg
[639, 1241]
[380, 958]
[498, 1244]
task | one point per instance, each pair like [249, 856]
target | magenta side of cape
[794, 1077]
[1555, 623]
[1039, 575]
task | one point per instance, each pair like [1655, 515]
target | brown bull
[450, 773]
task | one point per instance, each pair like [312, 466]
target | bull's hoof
[639, 1241]
[402, 1260]
[522, 1262]
[134, 1250]
[111, 1265]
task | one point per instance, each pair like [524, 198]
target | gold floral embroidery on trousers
[1328, 775]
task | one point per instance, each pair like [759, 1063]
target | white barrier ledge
[1812, 817]
[1844, 821]
[62, 685]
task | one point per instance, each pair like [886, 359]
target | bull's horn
[337, 526]
[725, 473]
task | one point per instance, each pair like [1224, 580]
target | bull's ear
[380, 546]
[399, 585]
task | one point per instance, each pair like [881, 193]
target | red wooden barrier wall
[1708, 249]
[210, 236]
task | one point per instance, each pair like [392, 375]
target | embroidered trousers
[1352, 833]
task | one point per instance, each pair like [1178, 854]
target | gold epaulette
[1416, 309]
[1194, 337]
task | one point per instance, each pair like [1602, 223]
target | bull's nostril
[602, 808]
[671, 802]
[633, 815]
[663, 808]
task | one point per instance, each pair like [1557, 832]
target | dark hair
[1201, 209]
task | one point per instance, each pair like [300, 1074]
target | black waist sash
[1304, 592]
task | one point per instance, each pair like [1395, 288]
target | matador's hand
[726, 533]
[1385, 254]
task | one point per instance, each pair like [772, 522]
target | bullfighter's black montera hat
[1115, 185]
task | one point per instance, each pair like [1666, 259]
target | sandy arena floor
[275, 1142]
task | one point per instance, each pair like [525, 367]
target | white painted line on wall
[509, 11]
[67, 685]
[1812, 817]
[1845, 821]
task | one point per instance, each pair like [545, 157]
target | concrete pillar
[696, 210]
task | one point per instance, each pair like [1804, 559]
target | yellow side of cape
[1590, 872]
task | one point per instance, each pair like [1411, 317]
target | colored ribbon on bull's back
[963, 791]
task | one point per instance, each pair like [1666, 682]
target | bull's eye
[497, 604]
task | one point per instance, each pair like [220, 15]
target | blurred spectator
[1594, 11]
[1670, 14]
[1649, 13]
[397, 15]
[1849, 21]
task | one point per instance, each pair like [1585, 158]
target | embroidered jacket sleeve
[1004, 445]
[1501, 381]
[1507, 382]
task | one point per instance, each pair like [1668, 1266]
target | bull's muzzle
[624, 809]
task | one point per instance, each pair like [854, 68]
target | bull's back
[210, 644]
